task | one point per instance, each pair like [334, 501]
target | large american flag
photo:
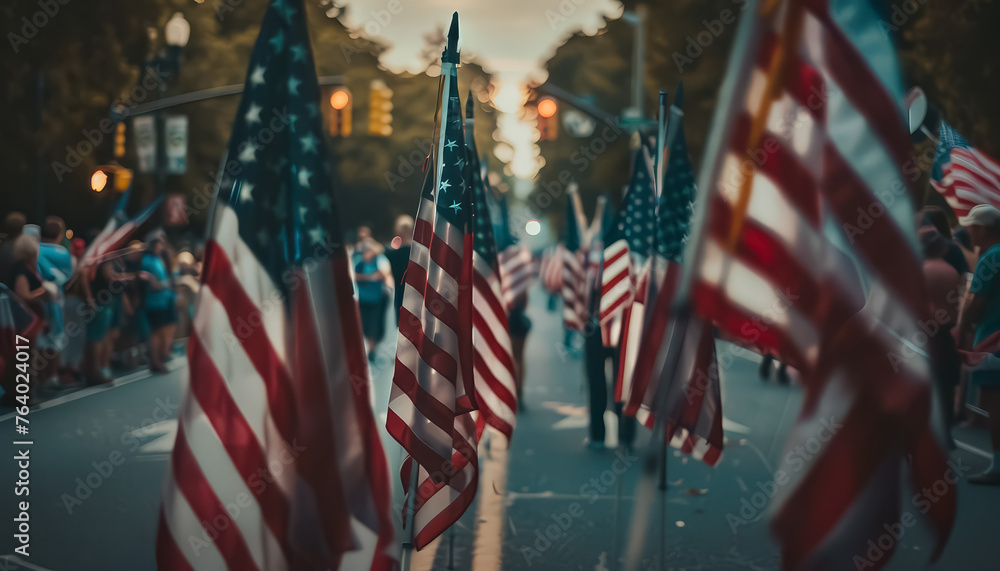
[809, 131]
[432, 406]
[630, 240]
[277, 462]
[963, 174]
[493, 360]
[691, 411]
[574, 259]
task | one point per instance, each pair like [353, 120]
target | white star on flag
[257, 77]
[246, 192]
[253, 114]
[304, 175]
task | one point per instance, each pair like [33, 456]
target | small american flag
[493, 360]
[574, 277]
[432, 406]
[277, 419]
[963, 174]
[516, 270]
[779, 263]
[630, 241]
[550, 269]
[692, 410]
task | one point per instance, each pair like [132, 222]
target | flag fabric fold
[809, 131]
[277, 418]
[493, 357]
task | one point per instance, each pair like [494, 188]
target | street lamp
[177, 31]
[176, 34]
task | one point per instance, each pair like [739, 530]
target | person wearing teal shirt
[981, 319]
[160, 304]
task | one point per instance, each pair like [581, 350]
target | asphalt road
[99, 457]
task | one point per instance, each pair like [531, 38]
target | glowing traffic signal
[548, 123]
[380, 109]
[122, 177]
[98, 180]
[120, 140]
[340, 112]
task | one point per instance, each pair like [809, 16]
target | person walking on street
[160, 304]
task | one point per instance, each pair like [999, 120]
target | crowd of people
[121, 310]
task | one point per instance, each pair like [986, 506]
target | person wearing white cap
[980, 321]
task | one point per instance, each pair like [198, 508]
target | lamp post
[177, 32]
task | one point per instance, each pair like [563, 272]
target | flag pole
[736, 73]
[409, 506]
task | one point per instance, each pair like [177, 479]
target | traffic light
[380, 109]
[340, 112]
[121, 175]
[548, 123]
[120, 140]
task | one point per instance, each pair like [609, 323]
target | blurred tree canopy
[63, 72]
[948, 48]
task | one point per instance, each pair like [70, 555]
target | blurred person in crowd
[519, 325]
[103, 311]
[945, 287]
[12, 227]
[373, 275]
[934, 216]
[55, 265]
[961, 237]
[596, 357]
[398, 254]
[25, 281]
[980, 320]
[135, 329]
[160, 303]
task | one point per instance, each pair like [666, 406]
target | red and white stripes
[277, 462]
[785, 263]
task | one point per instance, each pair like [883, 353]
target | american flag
[963, 174]
[116, 231]
[516, 270]
[630, 241]
[809, 131]
[493, 360]
[277, 462]
[601, 227]
[574, 277]
[432, 408]
[692, 411]
[550, 269]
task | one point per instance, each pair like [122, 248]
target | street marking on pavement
[119, 382]
[733, 426]
[973, 449]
